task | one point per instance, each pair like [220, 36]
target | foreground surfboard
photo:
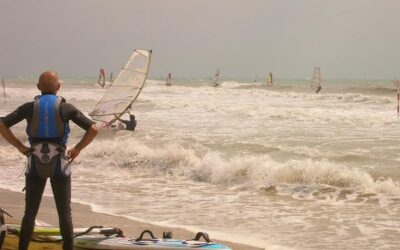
[123, 243]
[42, 231]
[47, 238]
[11, 243]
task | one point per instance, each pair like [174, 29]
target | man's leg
[33, 195]
[62, 195]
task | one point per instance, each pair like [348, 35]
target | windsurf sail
[316, 81]
[270, 80]
[216, 77]
[3, 83]
[126, 88]
[169, 79]
[397, 84]
[102, 78]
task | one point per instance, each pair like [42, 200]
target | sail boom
[137, 71]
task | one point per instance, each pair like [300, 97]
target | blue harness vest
[48, 134]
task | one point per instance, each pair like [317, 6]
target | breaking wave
[300, 179]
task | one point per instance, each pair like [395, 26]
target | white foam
[297, 178]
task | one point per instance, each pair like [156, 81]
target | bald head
[48, 82]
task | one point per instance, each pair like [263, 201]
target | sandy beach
[83, 216]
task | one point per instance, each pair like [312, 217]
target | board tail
[3, 228]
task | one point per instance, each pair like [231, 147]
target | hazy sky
[245, 38]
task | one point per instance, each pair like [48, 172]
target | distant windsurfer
[102, 78]
[111, 77]
[168, 81]
[270, 81]
[4, 89]
[316, 82]
[216, 77]
[129, 125]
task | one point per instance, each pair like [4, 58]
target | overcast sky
[191, 38]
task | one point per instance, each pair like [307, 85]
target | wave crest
[303, 179]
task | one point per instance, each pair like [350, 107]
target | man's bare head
[49, 82]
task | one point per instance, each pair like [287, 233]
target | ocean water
[276, 167]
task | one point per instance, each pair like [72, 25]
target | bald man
[48, 119]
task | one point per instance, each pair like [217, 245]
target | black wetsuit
[130, 125]
[35, 185]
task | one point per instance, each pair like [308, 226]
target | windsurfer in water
[48, 119]
[131, 124]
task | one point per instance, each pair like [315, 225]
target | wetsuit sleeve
[22, 112]
[125, 122]
[70, 112]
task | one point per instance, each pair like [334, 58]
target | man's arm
[70, 112]
[86, 140]
[10, 120]
[10, 138]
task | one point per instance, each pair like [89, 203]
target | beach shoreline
[83, 216]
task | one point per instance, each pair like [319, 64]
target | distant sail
[216, 77]
[102, 78]
[270, 80]
[397, 84]
[126, 88]
[3, 83]
[316, 81]
[169, 79]
[111, 77]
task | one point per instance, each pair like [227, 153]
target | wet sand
[83, 216]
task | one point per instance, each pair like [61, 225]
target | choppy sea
[278, 167]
